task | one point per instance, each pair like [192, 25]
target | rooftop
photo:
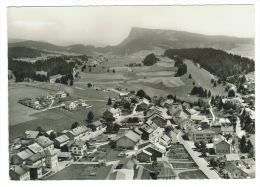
[131, 135]
[35, 148]
[25, 154]
[19, 170]
[44, 141]
[62, 138]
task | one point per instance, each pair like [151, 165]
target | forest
[217, 62]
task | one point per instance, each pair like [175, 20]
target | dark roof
[141, 173]
[165, 170]
[104, 172]
[37, 156]
[19, 170]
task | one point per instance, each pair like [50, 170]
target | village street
[203, 165]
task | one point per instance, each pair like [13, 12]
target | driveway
[203, 165]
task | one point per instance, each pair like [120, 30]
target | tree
[140, 93]
[231, 93]
[203, 144]
[127, 106]
[108, 70]
[190, 77]
[197, 145]
[242, 143]
[170, 96]
[181, 70]
[115, 106]
[209, 93]
[53, 135]
[147, 97]
[74, 125]
[116, 127]
[134, 100]
[40, 129]
[193, 83]
[90, 116]
[71, 82]
[175, 99]
[109, 102]
[89, 70]
[114, 71]
[215, 84]
[89, 85]
[212, 81]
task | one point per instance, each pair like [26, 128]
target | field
[197, 174]
[19, 113]
[244, 50]
[58, 119]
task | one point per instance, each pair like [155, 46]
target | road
[203, 165]
[210, 109]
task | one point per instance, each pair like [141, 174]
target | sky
[101, 26]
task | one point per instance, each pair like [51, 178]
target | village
[140, 137]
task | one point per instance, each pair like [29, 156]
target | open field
[197, 174]
[19, 113]
[58, 119]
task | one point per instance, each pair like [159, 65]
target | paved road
[203, 165]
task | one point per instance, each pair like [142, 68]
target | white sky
[102, 26]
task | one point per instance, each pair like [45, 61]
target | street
[203, 165]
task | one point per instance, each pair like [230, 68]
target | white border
[4, 94]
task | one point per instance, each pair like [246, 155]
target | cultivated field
[197, 174]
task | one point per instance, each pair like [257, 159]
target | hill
[215, 61]
[24, 52]
[37, 45]
[181, 39]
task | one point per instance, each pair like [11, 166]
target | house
[144, 156]
[61, 141]
[127, 140]
[30, 135]
[54, 77]
[234, 172]
[166, 103]
[61, 94]
[64, 156]
[215, 126]
[174, 108]
[95, 126]
[21, 157]
[173, 134]
[225, 130]
[183, 123]
[141, 173]
[45, 142]
[112, 113]
[158, 120]
[37, 160]
[143, 105]
[156, 150]
[152, 110]
[127, 163]
[78, 132]
[104, 172]
[232, 157]
[221, 146]
[51, 158]
[198, 118]
[165, 171]
[122, 174]
[147, 129]
[19, 173]
[70, 105]
[224, 121]
[78, 147]
[199, 134]
[35, 148]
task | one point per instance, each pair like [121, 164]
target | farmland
[197, 174]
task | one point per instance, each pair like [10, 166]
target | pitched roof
[44, 141]
[141, 173]
[114, 110]
[51, 152]
[79, 143]
[204, 131]
[19, 170]
[78, 130]
[165, 171]
[146, 152]
[218, 138]
[197, 117]
[35, 148]
[104, 172]
[128, 163]
[227, 129]
[230, 167]
[55, 76]
[64, 154]
[97, 123]
[25, 154]
[37, 156]
[130, 135]
[232, 157]
[31, 134]
[62, 138]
